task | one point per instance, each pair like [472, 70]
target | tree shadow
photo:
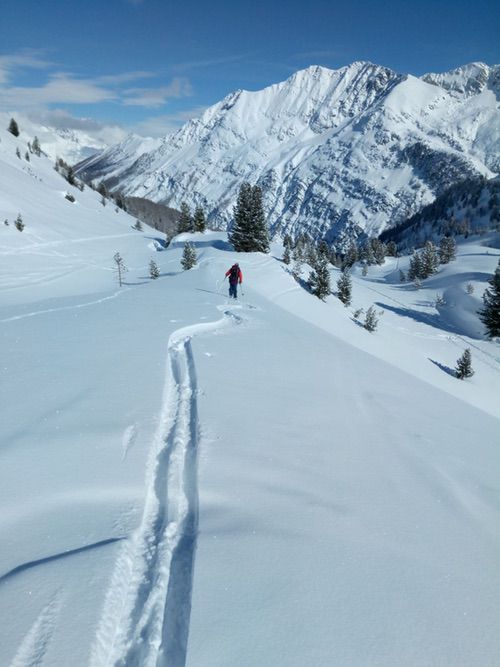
[444, 368]
[433, 320]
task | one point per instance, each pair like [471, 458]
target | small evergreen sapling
[154, 271]
[138, 226]
[371, 319]
[188, 257]
[344, 287]
[18, 223]
[121, 269]
[464, 366]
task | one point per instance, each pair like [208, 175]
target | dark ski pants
[233, 290]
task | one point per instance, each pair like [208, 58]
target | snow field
[187, 480]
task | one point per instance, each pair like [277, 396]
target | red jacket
[239, 276]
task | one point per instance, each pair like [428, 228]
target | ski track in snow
[145, 620]
[72, 307]
[31, 652]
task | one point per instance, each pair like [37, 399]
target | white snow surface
[189, 480]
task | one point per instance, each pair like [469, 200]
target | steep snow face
[342, 151]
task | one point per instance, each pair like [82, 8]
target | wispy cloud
[208, 62]
[59, 87]
[156, 97]
[26, 59]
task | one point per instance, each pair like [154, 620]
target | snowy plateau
[337, 152]
[189, 481]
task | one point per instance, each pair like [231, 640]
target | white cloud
[58, 87]
[27, 59]
[155, 97]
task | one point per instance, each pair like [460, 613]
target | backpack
[233, 276]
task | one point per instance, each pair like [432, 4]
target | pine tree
[366, 253]
[490, 314]
[138, 226]
[429, 258]
[27, 156]
[154, 271]
[351, 256]
[464, 366]
[185, 224]
[287, 257]
[371, 319]
[319, 279]
[392, 249]
[249, 232]
[18, 223]
[121, 269]
[344, 286]
[13, 127]
[379, 250]
[36, 148]
[199, 221]
[415, 269]
[188, 257]
[260, 233]
[447, 249]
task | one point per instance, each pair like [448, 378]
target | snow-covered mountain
[189, 480]
[71, 144]
[353, 149]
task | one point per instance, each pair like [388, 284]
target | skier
[235, 277]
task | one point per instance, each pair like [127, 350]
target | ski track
[146, 614]
[31, 652]
[72, 307]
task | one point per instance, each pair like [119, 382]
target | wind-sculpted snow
[146, 615]
[336, 151]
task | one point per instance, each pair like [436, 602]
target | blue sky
[148, 65]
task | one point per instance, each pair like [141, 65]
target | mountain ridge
[338, 153]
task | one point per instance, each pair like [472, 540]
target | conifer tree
[319, 279]
[260, 233]
[138, 226]
[36, 148]
[18, 223]
[13, 127]
[186, 220]
[464, 366]
[392, 249]
[188, 257]
[371, 319]
[379, 251]
[199, 221]
[415, 269]
[249, 232]
[344, 286]
[447, 249]
[287, 256]
[351, 256]
[429, 259]
[490, 314]
[366, 253]
[121, 269]
[154, 271]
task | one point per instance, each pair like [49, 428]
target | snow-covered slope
[188, 480]
[335, 151]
